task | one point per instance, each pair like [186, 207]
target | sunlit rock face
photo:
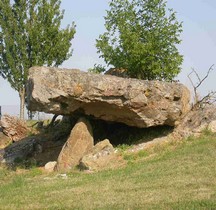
[134, 102]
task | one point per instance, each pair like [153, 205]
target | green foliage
[97, 69]
[30, 35]
[123, 147]
[131, 157]
[3, 172]
[24, 163]
[18, 182]
[33, 172]
[141, 38]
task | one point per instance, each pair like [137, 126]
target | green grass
[179, 175]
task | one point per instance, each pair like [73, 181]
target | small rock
[103, 148]
[99, 157]
[50, 166]
[119, 72]
[212, 126]
[63, 176]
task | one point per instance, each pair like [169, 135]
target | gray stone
[20, 150]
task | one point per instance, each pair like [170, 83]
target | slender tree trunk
[22, 102]
[53, 120]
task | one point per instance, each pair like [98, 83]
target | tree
[31, 34]
[142, 38]
[97, 69]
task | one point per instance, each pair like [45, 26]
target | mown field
[179, 175]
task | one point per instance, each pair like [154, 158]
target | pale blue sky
[198, 45]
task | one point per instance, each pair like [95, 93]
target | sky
[198, 39]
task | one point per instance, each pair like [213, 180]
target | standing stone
[78, 144]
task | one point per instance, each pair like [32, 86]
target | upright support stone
[79, 143]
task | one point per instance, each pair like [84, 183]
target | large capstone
[134, 102]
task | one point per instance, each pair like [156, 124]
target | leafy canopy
[30, 34]
[141, 37]
[97, 69]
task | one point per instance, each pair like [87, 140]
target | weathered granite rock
[102, 156]
[78, 144]
[99, 157]
[193, 124]
[119, 72]
[13, 127]
[4, 140]
[196, 121]
[212, 126]
[20, 150]
[50, 166]
[131, 101]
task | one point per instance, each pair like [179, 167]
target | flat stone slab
[134, 102]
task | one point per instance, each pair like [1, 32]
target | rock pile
[196, 121]
[13, 127]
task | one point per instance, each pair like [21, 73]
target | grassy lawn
[180, 175]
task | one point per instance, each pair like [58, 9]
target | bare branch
[210, 98]
[193, 71]
[190, 79]
[194, 87]
[210, 69]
